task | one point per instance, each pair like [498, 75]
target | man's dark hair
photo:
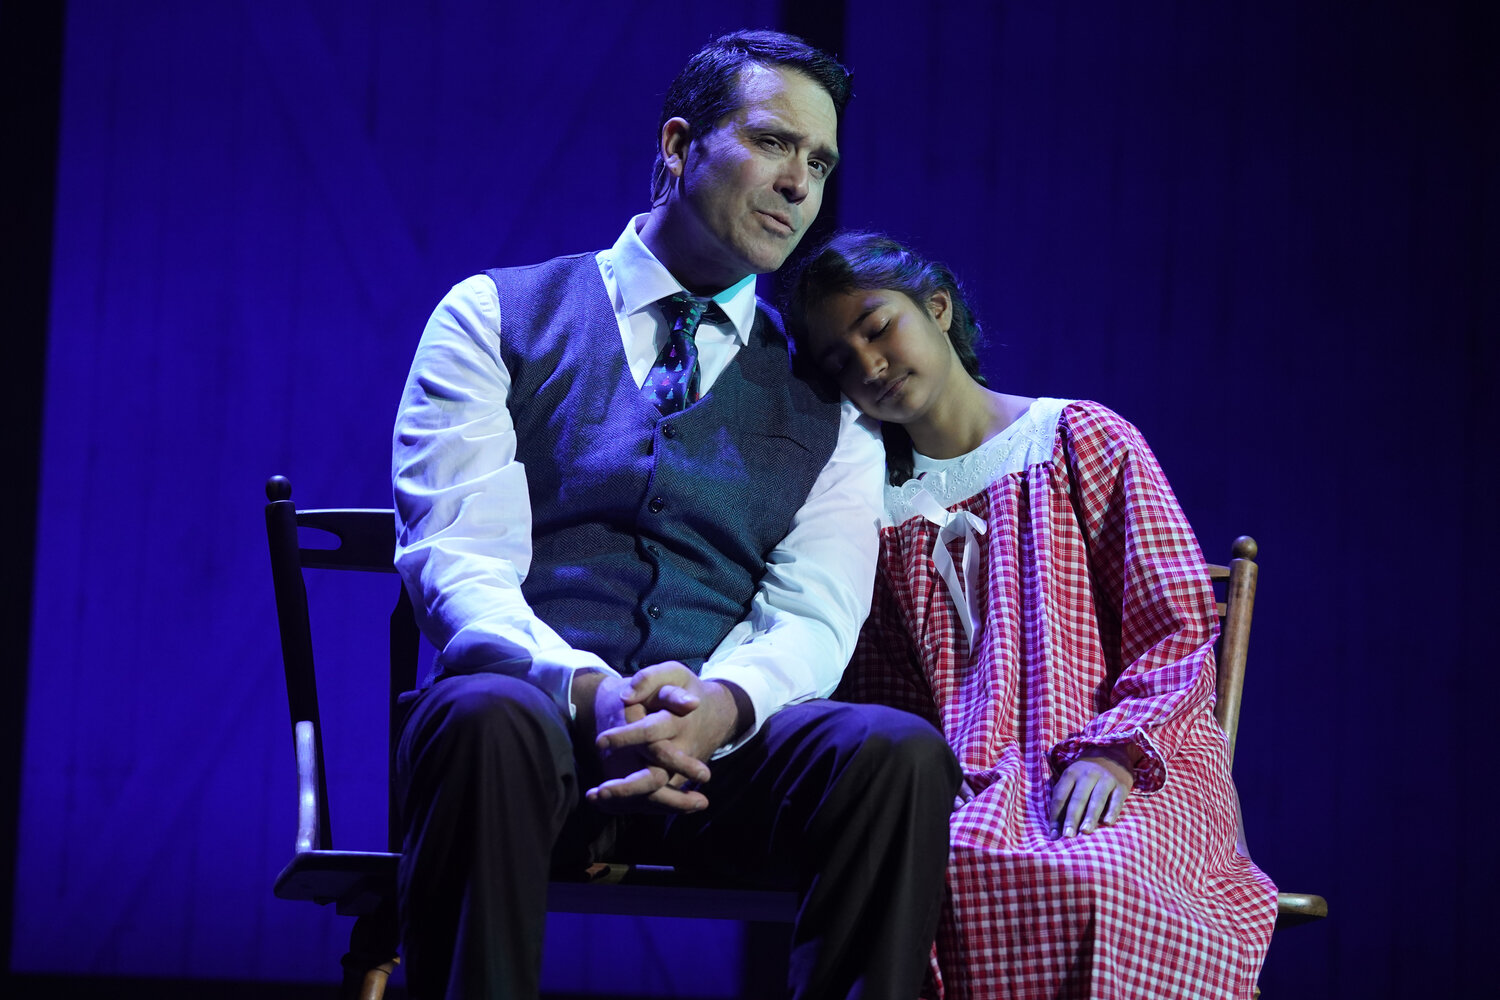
[707, 89]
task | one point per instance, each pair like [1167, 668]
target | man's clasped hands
[654, 731]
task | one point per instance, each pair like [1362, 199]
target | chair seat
[659, 891]
[358, 881]
[1293, 908]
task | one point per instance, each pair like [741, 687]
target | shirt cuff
[552, 675]
[1149, 773]
[556, 679]
[762, 698]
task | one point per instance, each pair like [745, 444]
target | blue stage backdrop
[1263, 231]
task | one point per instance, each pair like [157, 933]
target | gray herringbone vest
[649, 533]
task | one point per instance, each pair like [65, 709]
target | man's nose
[795, 180]
[872, 364]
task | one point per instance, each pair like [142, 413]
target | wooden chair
[1238, 580]
[363, 883]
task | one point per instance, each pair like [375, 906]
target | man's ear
[940, 307]
[676, 136]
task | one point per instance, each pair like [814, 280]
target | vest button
[656, 505]
[654, 611]
[653, 550]
[669, 431]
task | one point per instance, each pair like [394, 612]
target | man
[643, 550]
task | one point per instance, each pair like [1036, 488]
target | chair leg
[371, 957]
[373, 985]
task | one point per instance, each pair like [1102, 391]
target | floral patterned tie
[672, 383]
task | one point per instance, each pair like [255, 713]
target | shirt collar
[643, 280]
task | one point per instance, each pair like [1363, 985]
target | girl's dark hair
[853, 261]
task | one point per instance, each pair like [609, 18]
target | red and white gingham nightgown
[1095, 625]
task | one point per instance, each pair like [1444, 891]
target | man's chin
[771, 258]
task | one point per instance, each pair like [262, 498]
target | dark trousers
[849, 803]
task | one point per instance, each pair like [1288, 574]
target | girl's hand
[1091, 792]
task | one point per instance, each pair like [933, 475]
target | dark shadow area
[30, 86]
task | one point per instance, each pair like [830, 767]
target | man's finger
[646, 682]
[678, 800]
[672, 758]
[663, 801]
[677, 700]
[645, 791]
[636, 784]
[651, 729]
[655, 739]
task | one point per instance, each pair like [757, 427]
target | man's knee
[905, 745]
[895, 753]
[486, 712]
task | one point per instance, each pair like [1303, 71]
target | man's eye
[819, 167]
[770, 142]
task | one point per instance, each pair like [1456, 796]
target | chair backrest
[1235, 611]
[366, 543]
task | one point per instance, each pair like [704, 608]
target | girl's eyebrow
[862, 316]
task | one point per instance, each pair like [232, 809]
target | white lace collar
[1025, 442]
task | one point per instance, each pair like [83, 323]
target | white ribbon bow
[955, 524]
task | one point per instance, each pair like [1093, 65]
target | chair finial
[1245, 547]
[278, 488]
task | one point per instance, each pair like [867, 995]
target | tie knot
[686, 311]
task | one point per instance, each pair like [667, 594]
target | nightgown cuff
[1150, 772]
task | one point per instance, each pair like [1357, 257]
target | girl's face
[891, 357]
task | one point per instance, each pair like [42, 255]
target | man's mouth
[779, 222]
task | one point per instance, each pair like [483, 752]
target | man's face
[753, 185]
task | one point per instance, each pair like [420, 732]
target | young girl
[1042, 600]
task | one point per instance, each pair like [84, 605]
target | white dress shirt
[464, 516]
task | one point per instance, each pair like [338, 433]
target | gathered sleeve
[1154, 600]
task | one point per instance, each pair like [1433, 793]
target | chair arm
[307, 787]
[1293, 908]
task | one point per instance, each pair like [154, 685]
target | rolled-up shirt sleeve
[463, 516]
[806, 614]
